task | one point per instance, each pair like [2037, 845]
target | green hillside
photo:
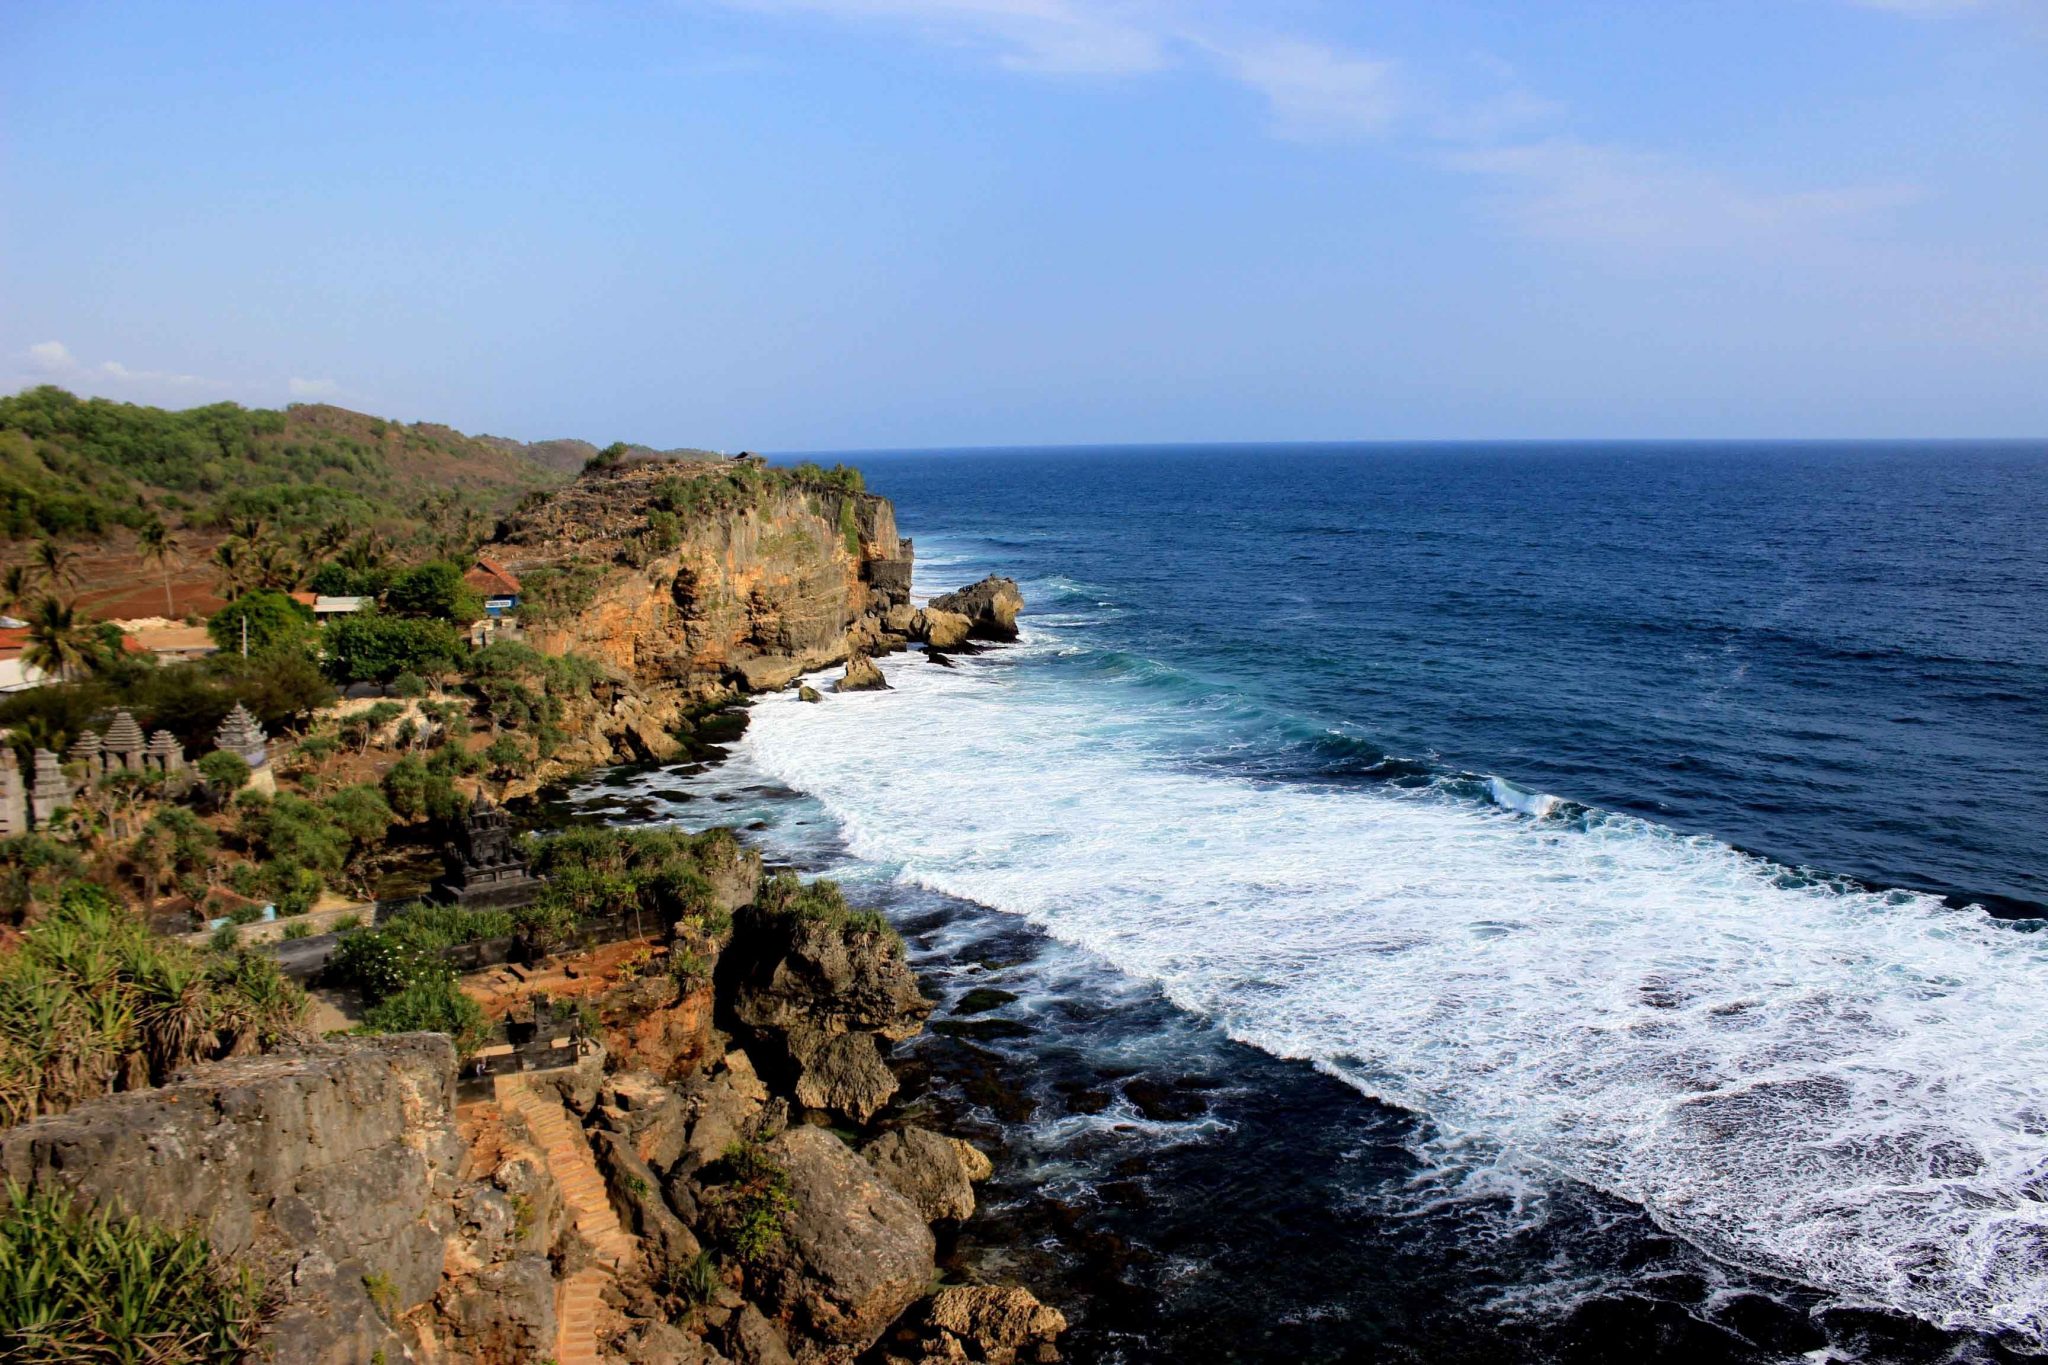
[72, 467]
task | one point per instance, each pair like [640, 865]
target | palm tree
[17, 585]
[275, 567]
[160, 547]
[60, 640]
[56, 564]
[232, 567]
[248, 526]
[364, 553]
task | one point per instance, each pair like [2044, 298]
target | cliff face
[704, 575]
[695, 580]
[328, 1171]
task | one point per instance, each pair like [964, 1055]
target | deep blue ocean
[1526, 902]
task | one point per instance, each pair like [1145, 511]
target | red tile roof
[492, 579]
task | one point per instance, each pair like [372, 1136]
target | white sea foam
[1841, 1087]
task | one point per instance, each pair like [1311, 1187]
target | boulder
[635, 1190]
[899, 619]
[861, 675]
[724, 1110]
[843, 1073]
[750, 1339]
[767, 672]
[504, 1312]
[653, 1115]
[662, 1343]
[788, 974]
[973, 1160]
[943, 629]
[809, 693]
[320, 1168]
[926, 1169]
[996, 1323]
[991, 607]
[854, 1253]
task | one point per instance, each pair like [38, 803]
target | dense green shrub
[415, 790]
[434, 590]
[785, 895]
[556, 593]
[88, 987]
[334, 579]
[84, 1284]
[431, 1005]
[435, 927]
[747, 1202]
[372, 647]
[380, 964]
[276, 625]
[664, 873]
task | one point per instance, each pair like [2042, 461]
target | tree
[274, 566]
[275, 624]
[224, 774]
[160, 547]
[508, 758]
[231, 567]
[434, 590]
[17, 585]
[373, 647]
[60, 640]
[58, 566]
[335, 579]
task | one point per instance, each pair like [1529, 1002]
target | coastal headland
[601, 1094]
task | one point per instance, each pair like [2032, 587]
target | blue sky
[842, 224]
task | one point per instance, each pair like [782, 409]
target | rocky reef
[717, 1177]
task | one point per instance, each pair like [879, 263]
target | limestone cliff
[329, 1171]
[697, 580]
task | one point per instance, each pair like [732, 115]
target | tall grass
[91, 1003]
[85, 1285]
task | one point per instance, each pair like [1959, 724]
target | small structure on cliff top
[484, 864]
[121, 747]
[50, 791]
[163, 754]
[241, 733]
[13, 795]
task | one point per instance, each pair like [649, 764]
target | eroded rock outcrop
[854, 1253]
[861, 675]
[934, 1172]
[986, 1323]
[990, 606]
[697, 576]
[330, 1171]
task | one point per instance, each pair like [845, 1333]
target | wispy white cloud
[1314, 89]
[1050, 36]
[1568, 191]
[52, 362]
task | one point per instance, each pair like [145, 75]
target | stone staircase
[579, 1301]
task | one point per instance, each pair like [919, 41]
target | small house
[325, 608]
[496, 584]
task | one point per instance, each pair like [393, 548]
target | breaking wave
[1798, 1075]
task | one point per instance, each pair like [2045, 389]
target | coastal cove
[1188, 1185]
